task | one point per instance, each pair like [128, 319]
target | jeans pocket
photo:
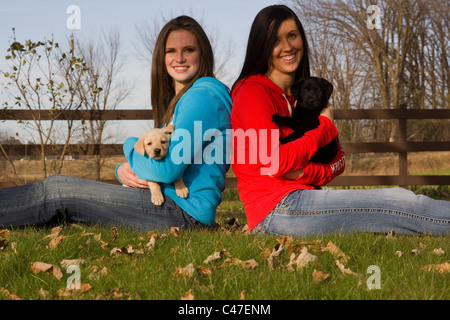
[289, 202]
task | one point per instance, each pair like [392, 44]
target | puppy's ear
[328, 88]
[140, 146]
[169, 129]
[296, 87]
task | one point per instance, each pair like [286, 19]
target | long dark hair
[261, 42]
[163, 96]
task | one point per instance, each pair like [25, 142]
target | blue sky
[36, 20]
[43, 19]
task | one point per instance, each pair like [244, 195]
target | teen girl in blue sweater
[183, 92]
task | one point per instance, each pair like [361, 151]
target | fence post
[403, 140]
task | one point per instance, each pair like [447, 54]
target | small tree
[38, 81]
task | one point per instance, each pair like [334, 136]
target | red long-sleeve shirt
[260, 161]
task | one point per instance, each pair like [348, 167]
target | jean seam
[283, 211]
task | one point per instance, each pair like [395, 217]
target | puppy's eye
[163, 141]
[149, 143]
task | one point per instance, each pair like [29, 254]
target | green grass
[154, 274]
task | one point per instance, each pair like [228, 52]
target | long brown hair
[163, 96]
[261, 42]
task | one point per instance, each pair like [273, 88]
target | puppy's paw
[182, 192]
[157, 199]
[276, 118]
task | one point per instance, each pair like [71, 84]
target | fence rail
[401, 147]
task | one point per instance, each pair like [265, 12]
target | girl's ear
[169, 129]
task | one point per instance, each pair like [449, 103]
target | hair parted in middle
[163, 96]
[261, 42]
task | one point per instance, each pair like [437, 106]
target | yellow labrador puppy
[155, 144]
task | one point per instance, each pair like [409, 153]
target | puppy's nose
[157, 151]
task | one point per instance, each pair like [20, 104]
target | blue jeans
[86, 201]
[304, 212]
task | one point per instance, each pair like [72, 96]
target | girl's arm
[127, 177]
[254, 110]
[321, 174]
[194, 112]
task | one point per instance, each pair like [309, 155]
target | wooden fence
[401, 147]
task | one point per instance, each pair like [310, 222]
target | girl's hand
[128, 178]
[294, 175]
[328, 112]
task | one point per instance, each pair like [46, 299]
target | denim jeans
[87, 201]
[304, 212]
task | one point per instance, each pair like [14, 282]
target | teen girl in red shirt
[276, 182]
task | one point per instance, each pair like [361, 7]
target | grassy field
[428, 163]
[222, 263]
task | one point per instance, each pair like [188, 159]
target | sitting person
[185, 93]
[279, 195]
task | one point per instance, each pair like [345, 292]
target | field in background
[357, 164]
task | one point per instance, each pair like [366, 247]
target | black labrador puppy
[312, 95]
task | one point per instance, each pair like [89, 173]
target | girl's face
[288, 50]
[182, 57]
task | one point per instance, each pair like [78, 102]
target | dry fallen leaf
[319, 276]
[14, 247]
[272, 261]
[44, 293]
[336, 252]
[439, 251]
[4, 237]
[115, 234]
[113, 294]
[173, 231]
[97, 272]
[285, 240]
[441, 268]
[122, 250]
[66, 292]
[54, 243]
[55, 232]
[398, 253]
[187, 295]
[242, 295]
[150, 244]
[203, 270]
[9, 294]
[84, 233]
[216, 255]
[422, 245]
[390, 235]
[38, 266]
[187, 271]
[344, 269]
[69, 262]
[5, 234]
[302, 260]
[247, 264]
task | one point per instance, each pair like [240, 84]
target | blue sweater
[199, 150]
